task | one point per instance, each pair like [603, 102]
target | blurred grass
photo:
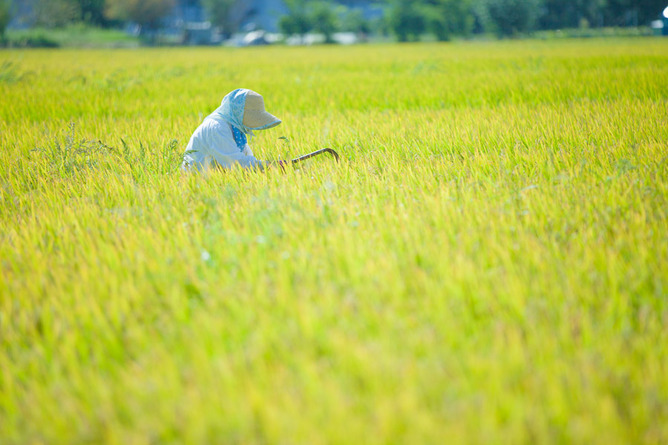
[72, 36]
[487, 264]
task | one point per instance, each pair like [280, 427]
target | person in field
[221, 140]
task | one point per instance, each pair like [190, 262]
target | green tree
[146, 13]
[297, 20]
[223, 14]
[91, 11]
[56, 13]
[631, 12]
[5, 17]
[445, 18]
[559, 14]
[354, 21]
[407, 20]
[324, 20]
[512, 17]
[574, 13]
[649, 10]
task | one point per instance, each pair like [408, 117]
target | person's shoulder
[217, 127]
[215, 123]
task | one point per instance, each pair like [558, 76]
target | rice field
[487, 263]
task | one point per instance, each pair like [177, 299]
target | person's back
[213, 145]
[221, 139]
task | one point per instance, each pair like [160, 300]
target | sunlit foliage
[487, 264]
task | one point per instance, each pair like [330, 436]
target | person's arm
[227, 160]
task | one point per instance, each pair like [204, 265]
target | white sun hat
[244, 110]
[256, 116]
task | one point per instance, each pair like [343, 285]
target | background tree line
[102, 13]
[409, 19]
[406, 19]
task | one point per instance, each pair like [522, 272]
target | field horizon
[486, 264]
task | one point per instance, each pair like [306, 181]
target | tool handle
[316, 153]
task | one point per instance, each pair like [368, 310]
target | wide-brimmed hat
[255, 115]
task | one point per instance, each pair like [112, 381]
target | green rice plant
[486, 264]
[71, 155]
[8, 72]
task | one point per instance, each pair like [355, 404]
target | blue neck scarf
[239, 138]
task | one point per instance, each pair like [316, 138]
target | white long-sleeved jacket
[212, 145]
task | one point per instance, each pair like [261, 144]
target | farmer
[222, 139]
